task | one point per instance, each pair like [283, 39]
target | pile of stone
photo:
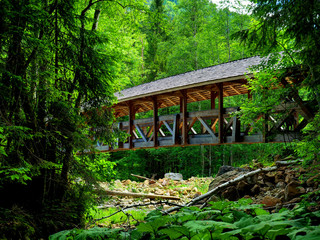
[282, 186]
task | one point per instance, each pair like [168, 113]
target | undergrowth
[222, 220]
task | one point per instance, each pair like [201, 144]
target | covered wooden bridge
[216, 125]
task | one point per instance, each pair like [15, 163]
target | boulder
[291, 190]
[270, 201]
[223, 169]
[174, 176]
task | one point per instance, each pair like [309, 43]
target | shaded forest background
[61, 58]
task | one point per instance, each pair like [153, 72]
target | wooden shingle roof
[198, 84]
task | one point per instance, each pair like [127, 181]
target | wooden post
[120, 144]
[131, 127]
[155, 122]
[213, 96]
[183, 107]
[175, 135]
[220, 115]
[235, 129]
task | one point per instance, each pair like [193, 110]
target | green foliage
[60, 64]
[205, 160]
[222, 220]
[309, 147]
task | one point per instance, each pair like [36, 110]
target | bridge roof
[198, 83]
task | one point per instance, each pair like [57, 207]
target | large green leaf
[176, 231]
[196, 226]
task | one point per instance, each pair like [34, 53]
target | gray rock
[223, 169]
[174, 176]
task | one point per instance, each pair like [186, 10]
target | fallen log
[210, 193]
[142, 195]
[151, 181]
[290, 162]
[142, 177]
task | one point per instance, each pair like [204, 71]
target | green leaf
[200, 225]
[260, 211]
[175, 231]
[153, 225]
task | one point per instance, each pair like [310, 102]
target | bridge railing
[283, 123]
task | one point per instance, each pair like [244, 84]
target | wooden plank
[167, 117]
[228, 124]
[155, 121]
[204, 113]
[281, 121]
[207, 128]
[301, 125]
[141, 133]
[234, 89]
[192, 123]
[168, 127]
[120, 144]
[220, 115]
[213, 126]
[236, 130]
[184, 101]
[193, 131]
[131, 118]
[307, 113]
[175, 136]
[161, 132]
[150, 131]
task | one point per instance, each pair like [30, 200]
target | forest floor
[284, 186]
[186, 190]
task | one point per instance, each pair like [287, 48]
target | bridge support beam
[155, 121]
[131, 118]
[183, 108]
[220, 116]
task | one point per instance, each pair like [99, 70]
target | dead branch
[129, 194]
[210, 193]
[134, 206]
[284, 163]
[142, 177]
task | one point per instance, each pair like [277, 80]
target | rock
[280, 194]
[311, 180]
[230, 193]
[223, 169]
[252, 179]
[270, 201]
[280, 185]
[126, 182]
[146, 183]
[164, 183]
[243, 188]
[291, 190]
[289, 178]
[174, 176]
[295, 200]
[269, 184]
[279, 177]
[224, 178]
[255, 189]
[270, 177]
